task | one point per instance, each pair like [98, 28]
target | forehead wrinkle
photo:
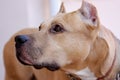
[73, 21]
[62, 19]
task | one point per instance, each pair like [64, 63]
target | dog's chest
[86, 74]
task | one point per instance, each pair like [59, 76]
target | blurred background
[18, 14]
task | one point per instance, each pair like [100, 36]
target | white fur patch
[86, 74]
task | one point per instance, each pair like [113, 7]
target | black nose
[20, 39]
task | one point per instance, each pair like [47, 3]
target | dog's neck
[92, 71]
[87, 74]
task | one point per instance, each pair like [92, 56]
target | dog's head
[61, 41]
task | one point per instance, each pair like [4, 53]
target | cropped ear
[89, 13]
[62, 8]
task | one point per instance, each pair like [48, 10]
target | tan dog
[75, 43]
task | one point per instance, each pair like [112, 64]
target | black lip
[38, 66]
[52, 67]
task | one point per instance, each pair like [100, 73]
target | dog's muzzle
[25, 52]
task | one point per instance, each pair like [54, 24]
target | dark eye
[57, 28]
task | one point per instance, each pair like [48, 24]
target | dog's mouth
[24, 58]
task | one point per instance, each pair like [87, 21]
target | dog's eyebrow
[54, 22]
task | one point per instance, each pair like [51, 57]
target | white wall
[18, 14]
[34, 12]
[13, 16]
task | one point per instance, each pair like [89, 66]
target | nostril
[21, 39]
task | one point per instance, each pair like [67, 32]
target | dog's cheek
[75, 47]
[79, 54]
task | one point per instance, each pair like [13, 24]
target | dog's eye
[57, 28]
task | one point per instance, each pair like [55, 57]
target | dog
[74, 43]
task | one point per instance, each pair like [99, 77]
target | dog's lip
[21, 54]
[24, 60]
[27, 61]
[38, 66]
[51, 67]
